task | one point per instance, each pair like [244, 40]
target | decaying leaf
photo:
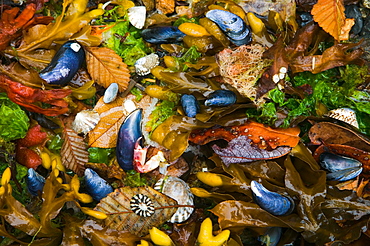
[329, 14]
[330, 133]
[241, 150]
[119, 206]
[73, 152]
[165, 6]
[261, 135]
[106, 67]
[104, 135]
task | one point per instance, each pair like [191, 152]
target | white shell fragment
[137, 16]
[110, 93]
[344, 114]
[85, 121]
[180, 191]
[146, 63]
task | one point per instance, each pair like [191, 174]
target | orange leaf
[106, 67]
[74, 153]
[261, 135]
[104, 135]
[329, 14]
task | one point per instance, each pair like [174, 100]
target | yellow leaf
[106, 67]
[329, 14]
[104, 135]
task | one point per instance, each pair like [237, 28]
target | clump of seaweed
[242, 67]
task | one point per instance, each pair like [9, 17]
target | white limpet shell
[180, 191]
[344, 114]
[146, 63]
[137, 16]
[85, 121]
[110, 93]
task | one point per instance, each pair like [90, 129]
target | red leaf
[27, 97]
[241, 150]
[33, 137]
[27, 157]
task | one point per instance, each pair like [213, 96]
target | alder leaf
[104, 135]
[329, 14]
[117, 205]
[106, 67]
[74, 152]
[241, 150]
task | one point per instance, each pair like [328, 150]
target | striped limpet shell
[142, 205]
[344, 114]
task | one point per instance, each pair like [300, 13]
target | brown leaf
[121, 217]
[106, 67]
[329, 14]
[330, 133]
[74, 153]
[104, 135]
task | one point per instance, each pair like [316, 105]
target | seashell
[234, 27]
[344, 114]
[142, 205]
[272, 202]
[129, 133]
[220, 98]
[162, 35]
[180, 191]
[340, 168]
[64, 64]
[85, 121]
[35, 182]
[140, 164]
[146, 63]
[137, 16]
[190, 105]
[110, 93]
[44, 121]
[272, 236]
[96, 186]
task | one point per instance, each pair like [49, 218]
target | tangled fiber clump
[242, 67]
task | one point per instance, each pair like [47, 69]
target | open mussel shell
[346, 115]
[190, 105]
[129, 133]
[65, 64]
[180, 191]
[234, 27]
[85, 121]
[35, 182]
[272, 202]
[221, 98]
[137, 16]
[146, 63]
[110, 93]
[162, 35]
[272, 236]
[96, 186]
[340, 168]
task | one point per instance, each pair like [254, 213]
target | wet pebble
[110, 93]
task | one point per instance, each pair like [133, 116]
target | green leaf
[100, 155]
[14, 122]
[55, 144]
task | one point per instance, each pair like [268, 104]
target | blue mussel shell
[129, 133]
[64, 64]
[162, 35]
[96, 186]
[232, 25]
[221, 98]
[35, 182]
[272, 202]
[190, 105]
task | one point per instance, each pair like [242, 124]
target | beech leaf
[104, 135]
[241, 150]
[329, 14]
[74, 152]
[106, 67]
[117, 205]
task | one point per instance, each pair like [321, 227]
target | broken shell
[146, 63]
[85, 121]
[180, 191]
[346, 115]
[110, 93]
[137, 16]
